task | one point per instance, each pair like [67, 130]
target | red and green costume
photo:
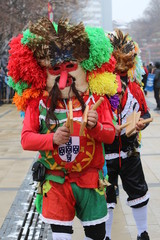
[76, 164]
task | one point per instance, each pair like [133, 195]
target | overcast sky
[128, 10]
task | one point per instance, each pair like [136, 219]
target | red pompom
[23, 66]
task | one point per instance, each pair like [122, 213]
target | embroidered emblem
[70, 150]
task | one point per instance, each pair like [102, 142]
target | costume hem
[94, 222]
[56, 222]
[138, 200]
[111, 205]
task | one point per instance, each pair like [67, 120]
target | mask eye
[70, 65]
[56, 68]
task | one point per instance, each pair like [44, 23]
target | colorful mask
[47, 54]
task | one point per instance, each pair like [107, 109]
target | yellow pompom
[104, 83]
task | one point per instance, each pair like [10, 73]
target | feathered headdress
[137, 71]
[53, 45]
[124, 51]
[127, 53]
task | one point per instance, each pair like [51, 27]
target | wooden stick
[134, 118]
[147, 120]
[71, 117]
[131, 127]
[39, 188]
[124, 125]
[84, 120]
[98, 103]
[69, 122]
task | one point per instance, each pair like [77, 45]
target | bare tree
[15, 15]
[146, 31]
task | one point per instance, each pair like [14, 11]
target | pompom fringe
[106, 67]
[22, 102]
[103, 84]
[22, 65]
[19, 87]
[100, 49]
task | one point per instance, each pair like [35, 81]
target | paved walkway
[15, 167]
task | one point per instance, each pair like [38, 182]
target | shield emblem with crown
[68, 152]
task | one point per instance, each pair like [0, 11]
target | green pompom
[100, 49]
[27, 36]
[19, 87]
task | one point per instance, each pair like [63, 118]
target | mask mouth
[69, 81]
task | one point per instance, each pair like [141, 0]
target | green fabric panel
[103, 150]
[53, 178]
[114, 120]
[44, 129]
[44, 162]
[100, 174]
[61, 115]
[38, 203]
[90, 203]
[43, 111]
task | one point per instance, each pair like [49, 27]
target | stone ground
[18, 219]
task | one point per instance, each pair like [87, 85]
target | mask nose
[63, 79]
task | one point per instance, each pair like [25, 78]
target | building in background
[98, 13]
[106, 6]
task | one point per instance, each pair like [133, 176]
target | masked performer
[123, 155]
[56, 71]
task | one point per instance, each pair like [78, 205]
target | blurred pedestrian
[1, 85]
[144, 78]
[150, 67]
[157, 85]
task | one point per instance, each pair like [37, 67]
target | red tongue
[63, 79]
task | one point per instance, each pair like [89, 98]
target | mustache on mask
[55, 95]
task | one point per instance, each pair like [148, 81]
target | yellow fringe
[104, 83]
